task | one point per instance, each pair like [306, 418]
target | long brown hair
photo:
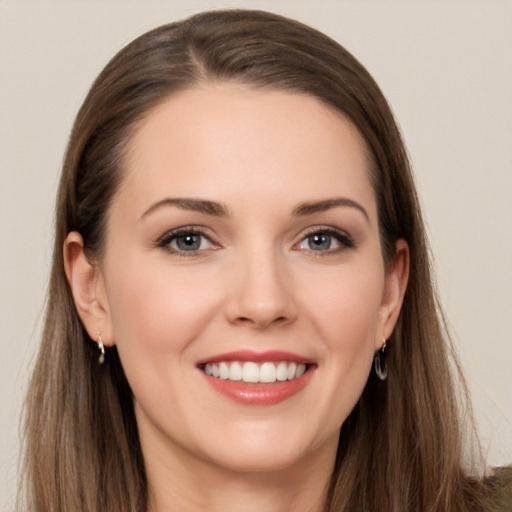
[401, 448]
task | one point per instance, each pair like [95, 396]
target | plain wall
[446, 68]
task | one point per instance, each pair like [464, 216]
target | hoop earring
[101, 348]
[380, 364]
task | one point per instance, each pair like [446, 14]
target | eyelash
[165, 241]
[344, 239]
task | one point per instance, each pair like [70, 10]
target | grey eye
[326, 240]
[319, 241]
[187, 241]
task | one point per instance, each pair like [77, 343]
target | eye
[186, 240]
[317, 242]
[326, 240]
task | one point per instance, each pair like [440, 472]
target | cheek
[344, 308]
[157, 313]
[157, 308]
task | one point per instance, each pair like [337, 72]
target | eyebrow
[219, 210]
[310, 208]
[196, 205]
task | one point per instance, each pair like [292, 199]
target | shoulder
[500, 484]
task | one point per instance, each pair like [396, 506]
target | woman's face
[243, 243]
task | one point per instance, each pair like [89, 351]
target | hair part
[400, 448]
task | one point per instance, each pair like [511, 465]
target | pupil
[320, 241]
[188, 242]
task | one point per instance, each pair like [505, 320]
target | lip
[250, 394]
[257, 357]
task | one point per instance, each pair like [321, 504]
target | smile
[257, 378]
[252, 372]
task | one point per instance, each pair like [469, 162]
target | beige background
[446, 68]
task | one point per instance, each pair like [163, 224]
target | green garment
[501, 482]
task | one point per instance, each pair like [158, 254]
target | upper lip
[256, 357]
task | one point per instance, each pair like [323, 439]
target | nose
[260, 292]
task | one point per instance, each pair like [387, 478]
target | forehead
[222, 139]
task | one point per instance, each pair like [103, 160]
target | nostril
[253, 321]
[251, 306]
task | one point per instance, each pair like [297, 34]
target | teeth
[292, 369]
[235, 371]
[249, 371]
[268, 372]
[223, 371]
[282, 371]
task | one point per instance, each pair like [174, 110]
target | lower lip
[259, 394]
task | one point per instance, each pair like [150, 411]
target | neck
[181, 484]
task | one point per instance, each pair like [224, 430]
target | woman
[238, 244]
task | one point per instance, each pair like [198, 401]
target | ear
[88, 289]
[397, 276]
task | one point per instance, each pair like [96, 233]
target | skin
[256, 282]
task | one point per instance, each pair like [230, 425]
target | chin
[267, 450]
[269, 459]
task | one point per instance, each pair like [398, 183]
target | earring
[379, 362]
[101, 348]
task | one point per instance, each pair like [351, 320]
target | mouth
[267, 372]
[251, 378]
